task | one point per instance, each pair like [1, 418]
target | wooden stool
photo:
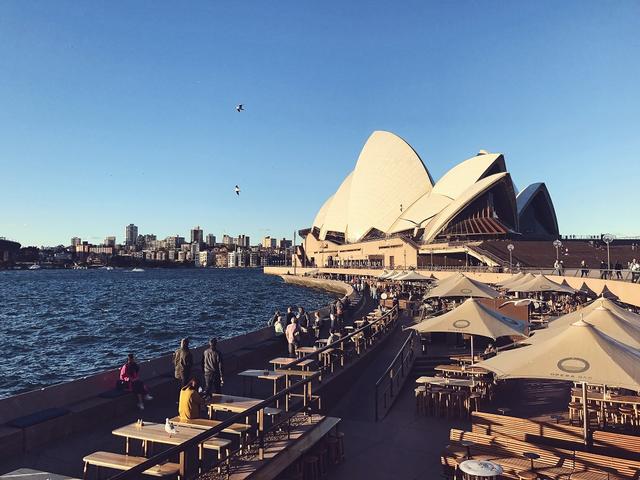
[575, 409]
[627, 415]
[311, 468]
[334, 453]
[421, 395]
[340, 438]
[323, 454]
[527, 475]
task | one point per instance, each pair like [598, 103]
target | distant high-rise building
[131, 234]
[211, 240]
[76, 241]
[110, 241]
[228, 240]
[197, 235]
[174, 243]
[243, 241]
[269, 242]
[284, 243]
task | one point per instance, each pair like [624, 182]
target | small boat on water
[138, 270]
[35, 266]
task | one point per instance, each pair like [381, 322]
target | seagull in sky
[237, 190]
[240, 108]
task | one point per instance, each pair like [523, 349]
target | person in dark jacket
[212, 368]
[183, 362]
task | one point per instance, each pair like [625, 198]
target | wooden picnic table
[151, 433]
[457, 370]
[284, 361]
[262, 375]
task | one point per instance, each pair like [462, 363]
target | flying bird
[169, 427]
[240, 108]
[237, 190]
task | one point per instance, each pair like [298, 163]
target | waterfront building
[8, 250]
[254, 259]
[110, 241]
[211, 240]
[197, 235]
[221, 259]
[182, 256]
[204, 258]
[131, 234]
[75, 241]
[389, 211]
[172, 255]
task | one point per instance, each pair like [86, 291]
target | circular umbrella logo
[466, 291]
[573, 365]
[461, 323]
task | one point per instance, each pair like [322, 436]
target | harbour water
[57, 325]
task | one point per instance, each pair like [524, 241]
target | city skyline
[114, 113]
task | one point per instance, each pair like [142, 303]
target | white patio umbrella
[512, 279]
[462, 286]
[527, 277]
[412, 276]
[473, 318]
[579, 353]
[384, 275]
[540, 284]
[395, 275]
[568, 319]
[604, 320]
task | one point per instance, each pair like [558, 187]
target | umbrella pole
[472, 350]
[585, 420]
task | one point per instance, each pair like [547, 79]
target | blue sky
[119, 112]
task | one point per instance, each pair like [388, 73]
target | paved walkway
[401, 446]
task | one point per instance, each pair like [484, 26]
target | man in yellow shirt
[191, 403]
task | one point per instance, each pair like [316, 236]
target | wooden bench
[118, 461]
[555, 463]
[616, 444]
[595, 466]
[524, 429]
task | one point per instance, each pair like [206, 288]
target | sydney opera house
[389, 211]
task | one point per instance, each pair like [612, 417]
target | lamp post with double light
[557, 244]
[510, 247]
[608, 238]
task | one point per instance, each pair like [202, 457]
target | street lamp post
[557, 244]
[608, 238]
[510, 247]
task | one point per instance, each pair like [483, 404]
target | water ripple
[58, 325]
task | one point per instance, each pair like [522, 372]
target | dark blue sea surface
[57, 325]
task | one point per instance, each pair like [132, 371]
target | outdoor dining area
[234, 432]
[593, 349]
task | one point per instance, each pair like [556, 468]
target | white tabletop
[453, 382]
[481, 468]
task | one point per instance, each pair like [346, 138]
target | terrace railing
[302, 391]
[390, 383]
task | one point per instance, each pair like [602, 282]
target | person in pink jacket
[129, 381]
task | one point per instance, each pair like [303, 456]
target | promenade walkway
[402, 445]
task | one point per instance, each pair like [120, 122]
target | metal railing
[390, 383]
[382, 324]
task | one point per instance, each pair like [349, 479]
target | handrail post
[261, 433]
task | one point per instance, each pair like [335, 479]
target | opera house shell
[390, 193]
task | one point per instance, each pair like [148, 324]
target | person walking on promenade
[276, 317]
[584, 269]
[556, 268]
[212, 369]
[290, 315]
[339, 313]
[183, 362]
[317, 323]
[618, 269]
[603, 270]
[332, 314]
[635, 271]
[129, 380]
[190, 404]
[293, 336]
